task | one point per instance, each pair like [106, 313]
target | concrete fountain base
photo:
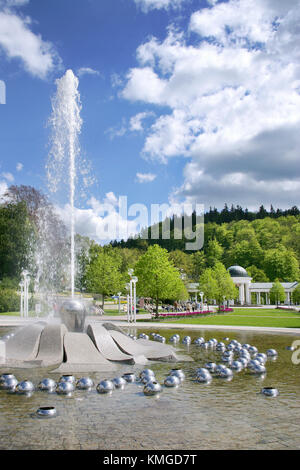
[101, 347]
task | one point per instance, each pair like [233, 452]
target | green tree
[158, 278]
[226, 289]
[281, 263]
[208, 284]
[103, 275]
[182, 261]
[258, 275]
[277, 293]
[213, 252]
[296, 295]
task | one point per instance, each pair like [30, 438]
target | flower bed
[226, 309]
[184, 314]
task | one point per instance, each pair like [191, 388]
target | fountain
[71, 343]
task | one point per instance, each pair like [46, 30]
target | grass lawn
[245, 317]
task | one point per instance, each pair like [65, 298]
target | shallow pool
[220, 415]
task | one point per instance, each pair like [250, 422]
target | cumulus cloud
[18, 42]
[19, 166]
[231, 82]
[145, 177]
[8, 176]
[136, 122]
[147, 5]
[87, 71]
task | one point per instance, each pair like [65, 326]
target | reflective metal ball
[172, 381]
[261, 357]
[68, 378]
[225, 373]
[187, 340]
[105, 386]
[147, 372]
[48, 385]
[9, 383]
[24, 387]
[129, 377]
[210, 366]
[272, 353]
[152, 388]
[65, 388]
[46, 412]
[85, 383]
[119, 382]
[237, 366]
[178, 373]
[252, 350]
[199, 340]
[270, 391]
[203, 375]
[258, 369]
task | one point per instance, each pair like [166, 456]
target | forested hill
[267, 243]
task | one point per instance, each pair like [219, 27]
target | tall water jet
[66, 126]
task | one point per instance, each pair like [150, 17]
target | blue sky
[182, 101]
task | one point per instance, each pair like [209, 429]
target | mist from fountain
[66, 125]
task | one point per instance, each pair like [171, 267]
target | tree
[103, 275]
[226, 289]
[208, 284]
[281, 263]
[16, 234]
[213, 252]
[296, 295]
[258, 275]
[277, 293]
[182, 261]
[158, 278]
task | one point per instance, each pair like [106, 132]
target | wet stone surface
[219, 415]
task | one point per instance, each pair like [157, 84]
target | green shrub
[9, 300]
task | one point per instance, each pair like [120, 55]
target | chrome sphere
[187, 340]
[252, 350]
[26, 386]
[129, 377]
[199, 340]
[204, 345]
[147, 378]
[237, 366]
[9, 383]
[230, 347]
[226, 373]
[85, 383]
[243, 361]
[203, 375]
[47, 385]
[68, 378]
[105, 386]
[227, 359]
[178, 373]
[119, 382]
[143, 336]
[219, 369]
[261, 357]
[173, 339]
[4, 377]
[270, 391]
[172, 381]
[152, 388]
[253, 363]
[65, 388]
[147, 372]
[73, 315]
[246, 346]
[46, 412]
[210, 366]
[290, 348]
[161, 339]
[272, 353]
[259, 369]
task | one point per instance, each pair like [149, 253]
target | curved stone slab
[108, 348]
[155, 352]
[81, 354]
[23, 346]
[51, 347]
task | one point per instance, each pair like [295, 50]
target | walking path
[11, 321]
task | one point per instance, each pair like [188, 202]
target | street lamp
[128, 302]
[134, 280]
[119, 295]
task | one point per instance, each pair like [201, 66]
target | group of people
[176, 307]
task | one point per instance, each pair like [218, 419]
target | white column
[258, 298]
[248, 294]
[241, 294]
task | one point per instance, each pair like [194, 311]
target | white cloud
[3, 188]
[145, 177]
[19, 166]
[19, 42]
[8, 177]
[233, 97]
[136, 122]
[147, 5]
[87, 71]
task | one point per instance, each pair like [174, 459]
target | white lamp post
[128, 302]
[25, 287]
[119, 295]
[133, 281]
